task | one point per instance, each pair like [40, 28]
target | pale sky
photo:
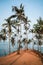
[33, 9]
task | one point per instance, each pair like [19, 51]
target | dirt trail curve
[25, 58]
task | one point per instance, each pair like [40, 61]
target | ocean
[4, 48]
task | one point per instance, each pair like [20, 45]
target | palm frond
[12, 16]
[4, 24]
[19, 41]
[4, 38]
[12, 41]
[14, 26]
[0, 36]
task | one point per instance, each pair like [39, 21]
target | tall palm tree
[26, 27]
[18, 32]
[19, 12]
[39, 30]
[8, 25]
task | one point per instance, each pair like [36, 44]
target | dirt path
[25, 58]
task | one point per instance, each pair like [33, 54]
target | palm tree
[8, 25]
[38, 30]
[26, 27]
[18, 30]
[19, 12]
[39, 26]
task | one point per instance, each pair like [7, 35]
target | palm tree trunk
[9, 43]
[18, 52]
[19, 44]
[33, 46]
[27, 38]
[20, 38]
[38, 44]
[27, 46]
[40, 48]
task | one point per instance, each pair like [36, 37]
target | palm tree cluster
[15, 21]
[38, 31]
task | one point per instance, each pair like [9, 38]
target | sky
[33, 9]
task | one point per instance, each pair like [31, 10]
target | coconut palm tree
[38, 30]
[19, 41]
[8, 25]
[19, 12]
[26, 27]
[39, 26]
[20, 17]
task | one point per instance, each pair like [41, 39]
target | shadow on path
[17, 58]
